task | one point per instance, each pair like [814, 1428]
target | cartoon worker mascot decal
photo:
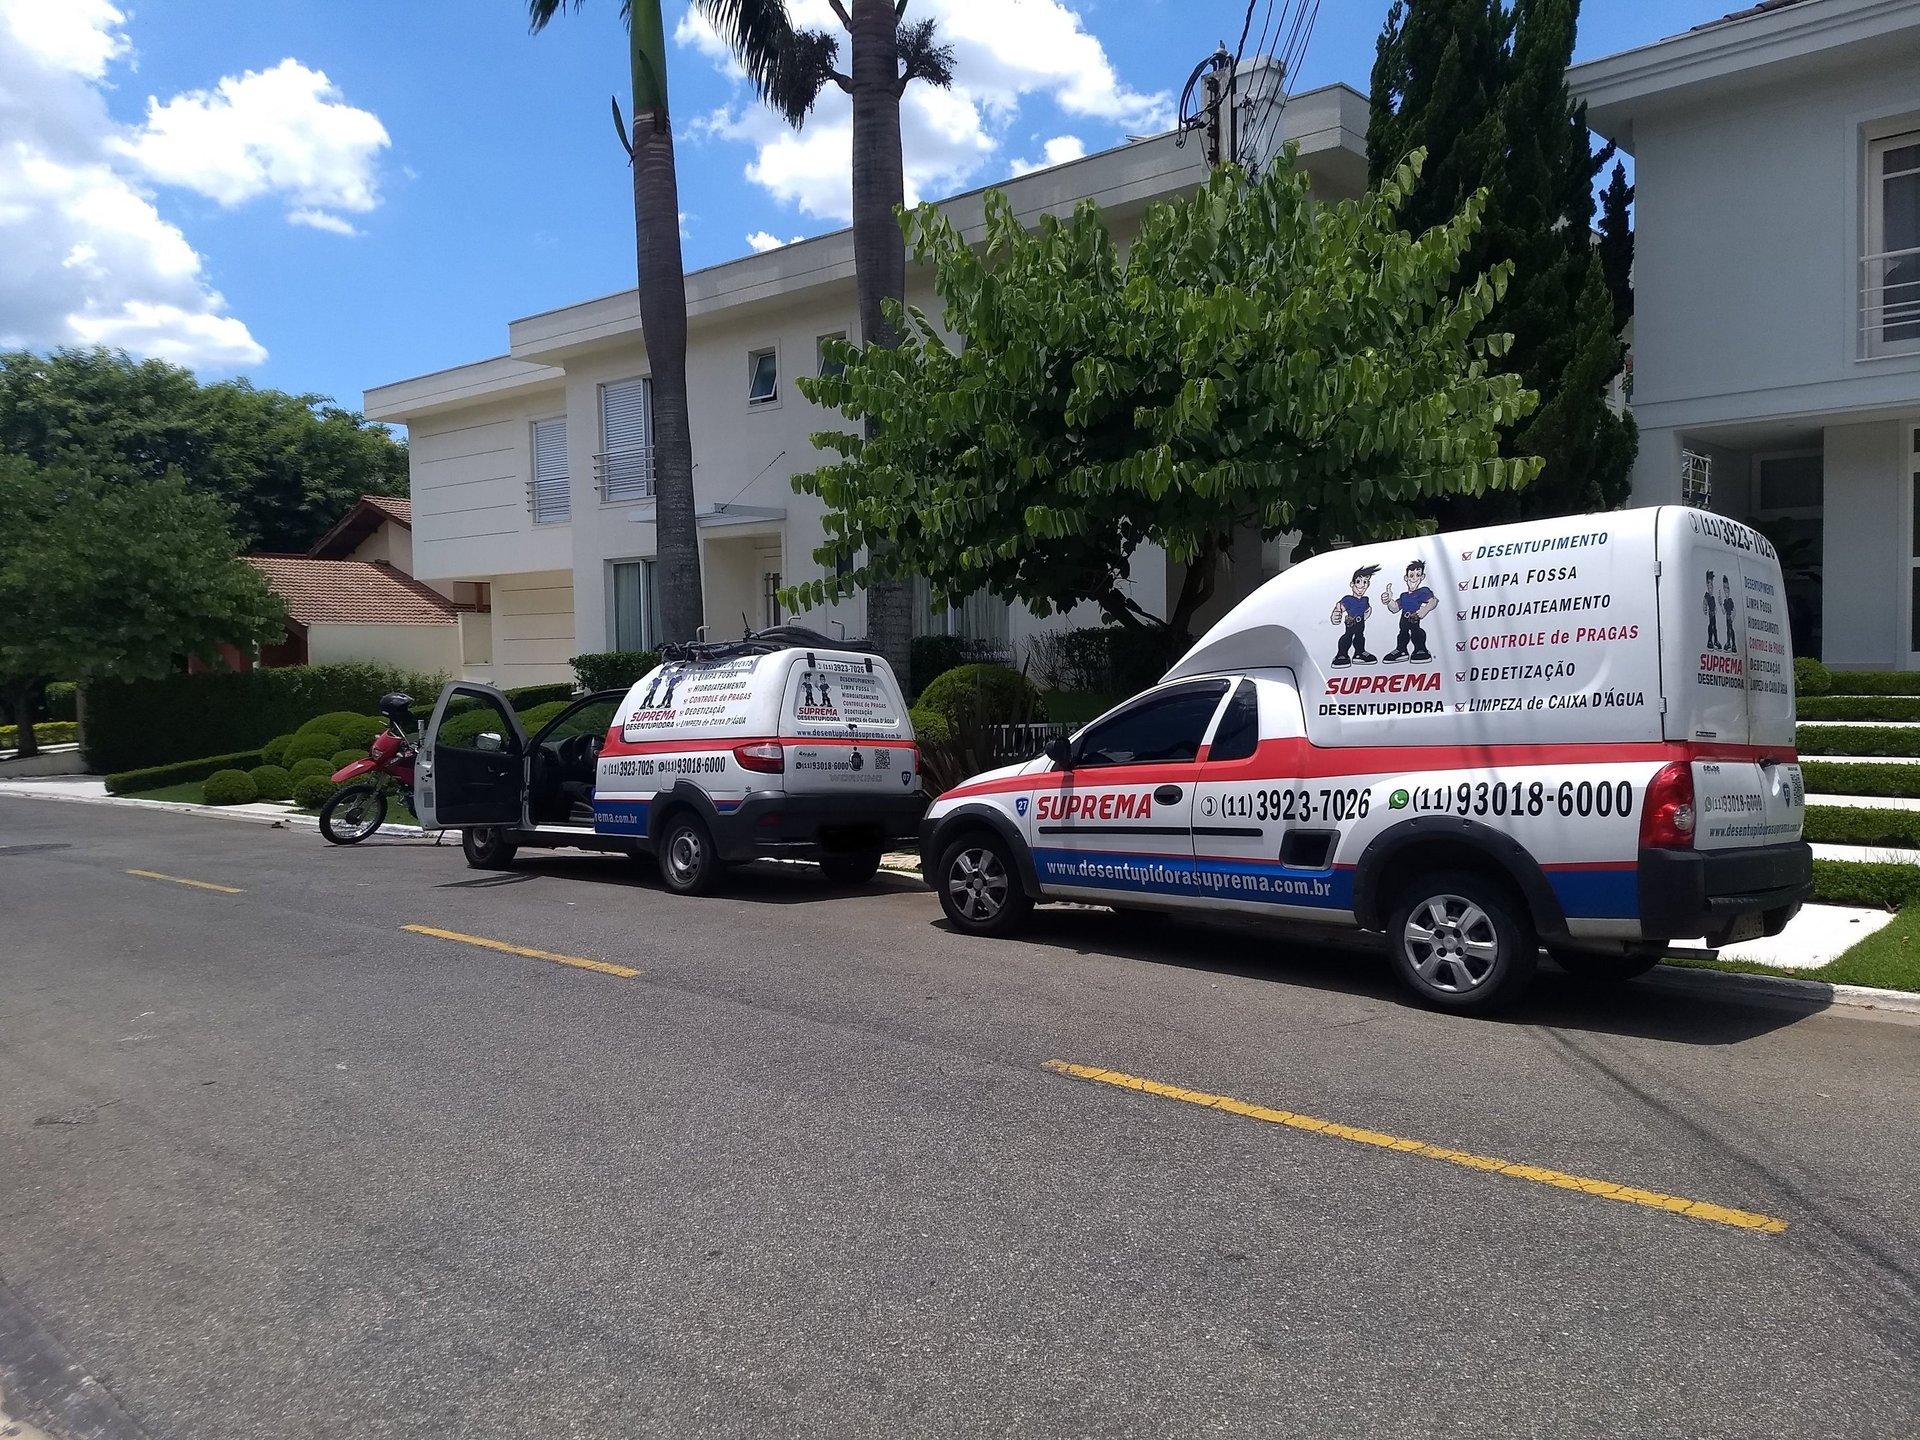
[1351, 611]
[1414, 604]
[1713, 616]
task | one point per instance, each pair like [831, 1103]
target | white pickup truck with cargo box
[1576, 732]
[783, 745]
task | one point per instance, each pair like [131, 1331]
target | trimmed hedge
[330, 723]
[342, 758]
[1828, 778]
[156, 777]
[1810, 677]
[1860, 707]
[312, 792]
[1875, 682]
[931, 656]
[145, 723]
[1865, 882]
[276, 749]
[270, 782]
[613, 669]
[990, 694]
[307, 769]
[356, 732]
[228, 787]
[63, 700]
[930, 727]
[314, 745]
[45, 732]
[525, 697]
[1858, 825]
[1856, 740]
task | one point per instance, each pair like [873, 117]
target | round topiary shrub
[930, 727]
[532, 720]
[358, 733]
[1810, 677]
[982, 694]
[329, 723]
[228, 787]
[312, 792]
[346, 757]
[274, 752]
[271, 782]
[308, 768]
[315, 745]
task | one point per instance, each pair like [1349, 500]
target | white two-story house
[1776, 330]
[532, 471]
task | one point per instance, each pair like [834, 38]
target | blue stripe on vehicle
[1598, 894]
[1254, 880]
[620, 817]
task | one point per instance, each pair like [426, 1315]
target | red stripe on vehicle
[616, 745]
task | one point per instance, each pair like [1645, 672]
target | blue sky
[324, 195]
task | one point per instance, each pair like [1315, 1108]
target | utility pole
[1213, 79]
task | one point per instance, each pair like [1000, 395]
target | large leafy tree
[788, 69]
[1254, 359]
[106, 579]
[1480, 85]
[287, 466]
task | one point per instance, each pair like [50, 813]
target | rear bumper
[1702, 892]
[805, 827]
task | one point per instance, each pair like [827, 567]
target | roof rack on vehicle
[756, 642]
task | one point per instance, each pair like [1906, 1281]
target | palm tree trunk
[663, 322]
[879, 250]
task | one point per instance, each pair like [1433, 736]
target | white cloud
[1057, 151]
[1004, 51]
[89, 258]
[762, 242]
[284, 131]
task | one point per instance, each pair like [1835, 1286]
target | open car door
[473, 760]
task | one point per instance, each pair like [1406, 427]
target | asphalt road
[272, 1165]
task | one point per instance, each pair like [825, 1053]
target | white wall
[533, 637]
[470, 469]
[390, 543]
[1864, 545]
[434, 649]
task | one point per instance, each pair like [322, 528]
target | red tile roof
[352, 592]
[368, 514]
[397, 506]
[1747, 14]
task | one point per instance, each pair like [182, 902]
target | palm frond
[785, 66]
[922, 57]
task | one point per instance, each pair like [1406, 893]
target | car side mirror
[488, 741]
[1060, 751]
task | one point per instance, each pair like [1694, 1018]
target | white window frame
[649, 591]
[542, 490]
[770, 402]
[1882, 138]
[1910, 516]
[621, 480]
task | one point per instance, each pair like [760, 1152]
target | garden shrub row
[228, 787]
[1810, 677]
[612, 669]
[147, 723]
[46, 732]
[1856, 740]
[1863, 882]
[1859, 825]
[525, 697]
[1860, 707]
[1871, 682]
[931, 656]
[155, 777]
[1830, 778]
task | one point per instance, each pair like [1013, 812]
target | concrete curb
[1678, 979]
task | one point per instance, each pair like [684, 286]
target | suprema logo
[1400, 684]
[1094, 807]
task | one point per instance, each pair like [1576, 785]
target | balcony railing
[624, 474]
[1890, 303]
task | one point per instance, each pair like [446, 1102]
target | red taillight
[1666, 819]
[763, 755]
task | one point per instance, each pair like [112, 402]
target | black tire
[1613, 969]
[980, 887]
[352, 813]
[851, 867]
[487, 847]
[1462, 942]
[689, 865]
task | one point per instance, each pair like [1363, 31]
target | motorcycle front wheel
[352, 814]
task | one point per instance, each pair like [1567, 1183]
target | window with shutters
[1890, 316]
[547, 493]
[625, 464]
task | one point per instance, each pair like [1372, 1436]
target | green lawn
[187, 794]
[1889, 958]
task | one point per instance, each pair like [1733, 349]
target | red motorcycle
[353, 813]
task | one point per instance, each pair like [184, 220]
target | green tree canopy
[287, 466]
[1480, 85]
[1256, 359]
[103, 579]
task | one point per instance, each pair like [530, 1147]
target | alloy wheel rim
[978, 884]
[1451, 943]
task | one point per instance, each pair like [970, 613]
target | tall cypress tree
[1482, 85]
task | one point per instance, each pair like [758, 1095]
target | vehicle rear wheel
[352, 813]
[688, 864]
[1606, 969]
[851, 867]
[487, 847]
[1461, 942]
[980, 888]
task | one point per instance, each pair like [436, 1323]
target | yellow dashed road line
[574, 960]
[177, 880]
[1605, 1189]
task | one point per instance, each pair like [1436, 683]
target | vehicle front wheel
[1461, 942]
[487, 847]
[1606, 969]
[851, 867]
[980, 888]
[352, 813]
[688, 864]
